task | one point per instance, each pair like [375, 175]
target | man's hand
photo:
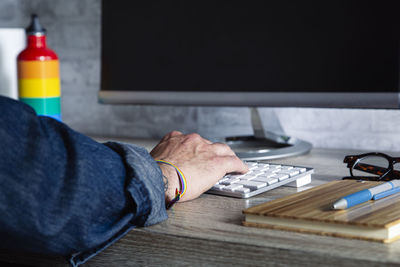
[203, 163]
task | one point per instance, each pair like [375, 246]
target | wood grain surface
[315, 205]
[209, 231]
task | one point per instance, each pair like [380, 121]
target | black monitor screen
[251, 46]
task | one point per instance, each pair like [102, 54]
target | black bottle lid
[35, 27]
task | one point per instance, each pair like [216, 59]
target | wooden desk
[208, 231]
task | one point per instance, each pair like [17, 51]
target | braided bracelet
[182, 180]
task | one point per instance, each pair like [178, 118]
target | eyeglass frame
[384, 174]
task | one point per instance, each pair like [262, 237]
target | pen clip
[386, 193]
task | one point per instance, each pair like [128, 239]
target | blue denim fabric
[61, 193]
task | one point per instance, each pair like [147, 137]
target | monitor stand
[264, 144]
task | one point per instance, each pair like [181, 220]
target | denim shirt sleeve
[144, 186]
[62, 193]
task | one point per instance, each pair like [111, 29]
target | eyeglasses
[372, 166]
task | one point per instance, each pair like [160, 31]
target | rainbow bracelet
[182, 180]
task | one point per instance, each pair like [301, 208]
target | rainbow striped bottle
[38, 73]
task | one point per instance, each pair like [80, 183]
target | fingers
[218, 148]
[196, 138]
[222, 149]
[234, 164]
[207, 141]
[188, 136]
[170, 135]
[175, 133]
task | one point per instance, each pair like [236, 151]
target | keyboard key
[281, 177]
[218, 186]
[289, 172]
[248, 177]
[242, 190]
[272, 174]
[252, 184]
[275, 165]
[257, 173]
[263, 165]
[261, 179]
[272, 180]
[286, 168]
[232, 187]
[300, 169]
[232, 176]
[230, 181]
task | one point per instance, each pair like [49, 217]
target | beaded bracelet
[182, 181]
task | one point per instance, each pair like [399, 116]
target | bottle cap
[35, 27]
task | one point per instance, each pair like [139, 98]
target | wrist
[171, 181]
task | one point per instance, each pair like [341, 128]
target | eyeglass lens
[370, 166]
[396, 167]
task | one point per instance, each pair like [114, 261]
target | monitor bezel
[257, 99]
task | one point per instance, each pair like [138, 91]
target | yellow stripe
[38, 69]
[39, 87]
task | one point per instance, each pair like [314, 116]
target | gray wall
[74, 33]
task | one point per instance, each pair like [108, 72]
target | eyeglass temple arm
[375, 169]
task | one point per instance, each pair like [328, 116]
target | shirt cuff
[145, 190]
[145, 183]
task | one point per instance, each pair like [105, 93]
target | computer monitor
[289, 53]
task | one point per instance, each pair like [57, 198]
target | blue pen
[362, 196]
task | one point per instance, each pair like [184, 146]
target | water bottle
[38, 73]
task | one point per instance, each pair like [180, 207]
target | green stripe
[44, 106]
